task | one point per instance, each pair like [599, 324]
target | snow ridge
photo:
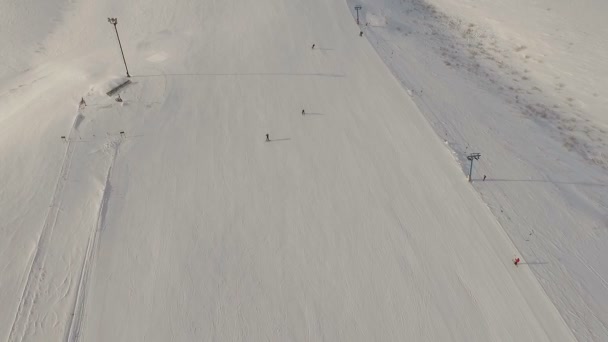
[79, 311]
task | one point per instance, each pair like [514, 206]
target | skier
[313, 46]
[82, 103]
[360, 33]
[484, 177]
[267, 137]
[516, 261]
[303, 112]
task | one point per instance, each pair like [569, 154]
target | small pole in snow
[471, 157]
[114, 21]
[357, 8]
[267, 137]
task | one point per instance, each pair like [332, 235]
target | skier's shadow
[314, 114]
[534, 263]
[542, 181]
[281, 139]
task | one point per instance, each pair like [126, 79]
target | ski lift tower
[471, 157]
[114, 22]
[357, 8]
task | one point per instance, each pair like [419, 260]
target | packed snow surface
[524, 84]
[167, 216]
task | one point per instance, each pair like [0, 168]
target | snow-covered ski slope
[523, 83]
[353, 223]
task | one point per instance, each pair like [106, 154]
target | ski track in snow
[36, 271]
[40, 288]
[79, 310]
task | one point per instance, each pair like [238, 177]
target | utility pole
[471, 157]
[114, 21]
[357, 8]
